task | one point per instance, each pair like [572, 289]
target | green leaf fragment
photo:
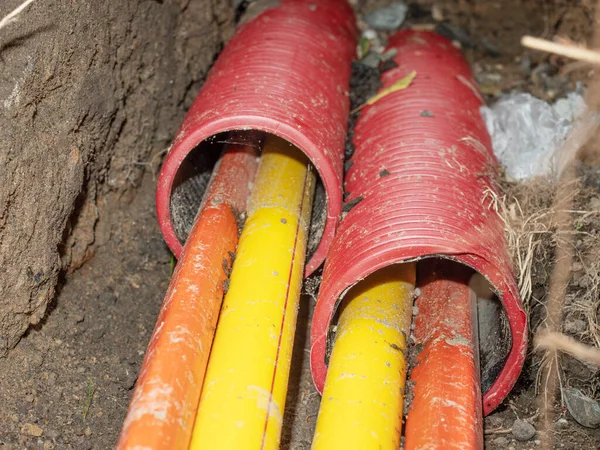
[364, 46]
[397, 86]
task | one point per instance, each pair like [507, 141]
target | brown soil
[92, 124]
[92, 93]
[72, 374]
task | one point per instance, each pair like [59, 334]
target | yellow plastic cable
[244, 391]
[363, 396]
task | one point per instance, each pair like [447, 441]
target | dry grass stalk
[498, 431]
[566, 50]
[12, 16]
[561, 275]
[525, 237]
[582, 132]
[547, 340]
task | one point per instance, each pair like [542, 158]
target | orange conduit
[163, 407]
[446, 410]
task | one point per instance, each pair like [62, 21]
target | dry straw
[13, 15]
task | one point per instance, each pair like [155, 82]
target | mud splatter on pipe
[163, 407]
[445, 412]
[243, 397]
[363, 397]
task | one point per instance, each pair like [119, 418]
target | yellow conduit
[243, 397]
[362, 400]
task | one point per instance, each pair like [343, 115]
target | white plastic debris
[526, 131]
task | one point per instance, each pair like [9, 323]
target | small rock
[389, 18]
[32, 429]
[455, 33]
[584, 410]
[88, 431]
[561, 424]
[501, 442]
[371, 59]
[29, 398]
[436, 13]
[522, 431]
[490, 47]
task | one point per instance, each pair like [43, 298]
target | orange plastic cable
[163, 407]
[445, 412]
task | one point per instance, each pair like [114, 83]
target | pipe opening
[332, 329]
[194, 174]
[493, 327]
[495, 339]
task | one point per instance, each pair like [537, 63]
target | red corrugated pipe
[422, 171]
[285, 72]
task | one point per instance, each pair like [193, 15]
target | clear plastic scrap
[526, 131]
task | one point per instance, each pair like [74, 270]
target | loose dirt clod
[31, 429]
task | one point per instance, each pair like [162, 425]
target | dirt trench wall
[91, 93]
